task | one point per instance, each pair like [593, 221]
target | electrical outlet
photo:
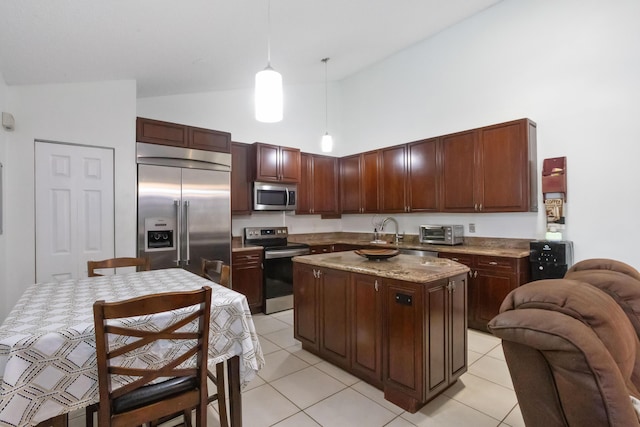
[472, 228]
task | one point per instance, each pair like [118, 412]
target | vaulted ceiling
[183, 46]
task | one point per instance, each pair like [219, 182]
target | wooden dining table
[47, 342]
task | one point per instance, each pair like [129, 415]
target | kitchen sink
[418, 252]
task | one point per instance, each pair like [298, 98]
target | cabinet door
[366, 327]
[490, 288]
[350, 184]
[240, 179]
[403, 335]
[458, 327]
[325, 185]
[370, 177]
[503, 181]
[334, 316]
[392, 179]
[246, 277]
[207, 139]
[458, 168]
[437, 300]
[305, 299]
[305, 187]
[289, 164]
[267, 162]
[422, 185]
[159, 132]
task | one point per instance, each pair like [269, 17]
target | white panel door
[74, 209]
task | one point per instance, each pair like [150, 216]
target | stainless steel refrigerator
[184, 206]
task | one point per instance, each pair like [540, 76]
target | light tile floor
[298, 389]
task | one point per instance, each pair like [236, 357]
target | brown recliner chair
[572, 353]
[621, 281]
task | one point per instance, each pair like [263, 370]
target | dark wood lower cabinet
[246, 277]
[408, 339]
[491, 279]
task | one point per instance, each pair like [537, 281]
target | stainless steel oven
[278, 266]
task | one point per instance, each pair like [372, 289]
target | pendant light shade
[268, 95]
[268, 92]
[326, 145]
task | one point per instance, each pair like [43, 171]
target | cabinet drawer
[490, 262]
[465, 259]
[320, 249]
[246, 258]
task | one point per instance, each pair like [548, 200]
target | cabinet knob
[493, 263]
[475, 274]
[480, 206]
[376, 285]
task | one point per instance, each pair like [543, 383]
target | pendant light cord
[269, 33]
[326, 96]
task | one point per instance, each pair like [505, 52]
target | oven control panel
[263, 233]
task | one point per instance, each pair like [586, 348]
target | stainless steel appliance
[550, 259]
[184, 206]
[442, 234]
[274, 197]
[278, 266]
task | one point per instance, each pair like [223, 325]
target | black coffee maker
[550, 259]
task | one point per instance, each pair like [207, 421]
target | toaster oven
[442, 234]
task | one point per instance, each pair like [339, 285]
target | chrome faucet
[384, 222]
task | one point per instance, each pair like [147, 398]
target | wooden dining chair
[142, 264]
[119, 342]
[216, 271]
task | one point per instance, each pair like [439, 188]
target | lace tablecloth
[47, 343]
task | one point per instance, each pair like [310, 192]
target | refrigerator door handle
[186, 231]
[176, 204]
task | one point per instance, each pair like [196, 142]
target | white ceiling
[183, 46]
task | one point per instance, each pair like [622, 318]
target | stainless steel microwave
[442, 234]
[274, 197]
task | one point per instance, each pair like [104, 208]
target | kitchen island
[399, 324]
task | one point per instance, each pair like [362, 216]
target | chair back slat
[141, 264]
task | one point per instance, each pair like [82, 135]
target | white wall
[97, 114]
[569, 65]
[4, 300]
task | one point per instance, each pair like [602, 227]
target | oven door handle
[285, 253]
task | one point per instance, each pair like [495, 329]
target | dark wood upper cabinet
[458, 168]
[490, 169]
[318, 183]
[359, 187]
[276, 164]
[423, 176]
[240, 179]
[177, 135]
[393, 177]
[409, 177]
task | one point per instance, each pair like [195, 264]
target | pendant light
[268, 92]
[326, 145]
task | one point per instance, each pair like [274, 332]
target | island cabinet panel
[366, 327]
[403, 335]
[335, 307]
[306, 307]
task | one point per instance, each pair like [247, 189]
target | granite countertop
[237, 245]
[509, 248]
[410, 268]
